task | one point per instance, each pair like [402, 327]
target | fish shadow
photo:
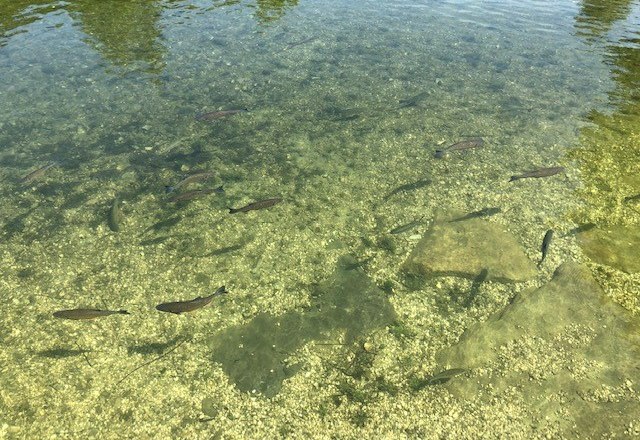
[254, 355]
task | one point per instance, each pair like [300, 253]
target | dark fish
[212, 116]
[485, 212]
[408, 187]
[545, 245]
[540, 172]
[261, 204]
[298, 43]
[195, 194]
[579, 229]
[467, 144]
[404, 228]
[445, 376]
[115, 216]
[437, 379]
[412, 101]
[631, 198]
[192, 178]
[87, 313]
[475, 286]
[33, 175]
[178, 307]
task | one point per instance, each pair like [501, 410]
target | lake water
[392, 292]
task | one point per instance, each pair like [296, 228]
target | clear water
[323, 333]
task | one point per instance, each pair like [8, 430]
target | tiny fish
[115, 216]
[408, 187]
[631, 198]
[485, 212]
[261, 204]
[445, 376]
[33, 175]
[467, 144]
[87, 313]
[212, 116]
[191, 178]
[178, 307]
[195, 194]
[540, 172]
[404, 228]
[545, 245]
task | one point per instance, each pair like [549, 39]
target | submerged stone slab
[616, 246]
[566, 349]
[466, 248]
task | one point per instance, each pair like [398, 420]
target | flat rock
[466, 248]
[569, 352]
[616, 246]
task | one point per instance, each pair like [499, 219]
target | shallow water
[347, 104]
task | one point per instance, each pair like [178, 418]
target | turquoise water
[332, 325]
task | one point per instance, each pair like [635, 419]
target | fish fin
[219, 189]
[169, 189]
[439, 154]
[233, 211]
[513, 178]
[123, 312]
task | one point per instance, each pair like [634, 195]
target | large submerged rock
[616, 246]
[467, 248]
[566, 349]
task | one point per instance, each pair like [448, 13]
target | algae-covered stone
[570, 351]
[466, 248]
[617, 246]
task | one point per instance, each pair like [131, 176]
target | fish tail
[439, 154]
[219, 189]
[169, 189]
[233, 211]
[123, 312]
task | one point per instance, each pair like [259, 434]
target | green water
[324, 332]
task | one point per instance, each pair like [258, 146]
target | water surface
[323, 332]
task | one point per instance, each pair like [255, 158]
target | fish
[298, 43]
[631, 198]
[475, 286]
[219, 114]
[445, 376]
[408, 187]
[178, 307]
[407, 227]
[475, 142]
[484, 212]
[34, 175]
[412, 101]
[115, 216]
[545, 245]
[195, 194]
[260, 204]
[191, 178]
[540, 172]
[579, 229]
[437, 379]
[87, 313]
